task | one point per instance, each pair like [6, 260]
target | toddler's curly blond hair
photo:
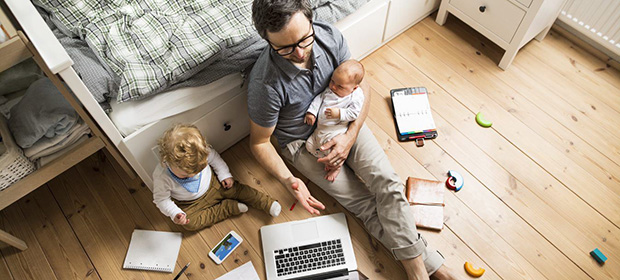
[184, 147]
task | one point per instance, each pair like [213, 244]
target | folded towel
[47, 159]
[43, 111]
[5, 108]
[47, 146]
[46, 143]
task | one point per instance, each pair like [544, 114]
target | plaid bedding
[150, 44]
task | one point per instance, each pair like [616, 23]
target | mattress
[130, 117]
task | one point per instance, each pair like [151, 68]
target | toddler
[193, 185]
[335, 107]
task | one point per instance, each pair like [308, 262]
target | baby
[335, 107]
[193, 185]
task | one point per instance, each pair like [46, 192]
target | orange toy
[475, 272]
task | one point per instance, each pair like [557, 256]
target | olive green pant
[219, 203]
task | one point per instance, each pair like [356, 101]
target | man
[291, 71]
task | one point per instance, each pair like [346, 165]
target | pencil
[292, 206]
[181, 272]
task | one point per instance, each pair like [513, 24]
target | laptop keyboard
[309, 257]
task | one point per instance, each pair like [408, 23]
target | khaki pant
[219, 203]
[376, 196]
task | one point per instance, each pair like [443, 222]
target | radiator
[598, 20]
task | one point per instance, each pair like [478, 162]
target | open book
[426, 198]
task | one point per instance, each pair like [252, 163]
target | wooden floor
[542, 186]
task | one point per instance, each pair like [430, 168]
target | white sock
[275, 209]
[242, 207]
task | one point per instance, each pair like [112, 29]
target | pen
[293, 206]
[181, 272]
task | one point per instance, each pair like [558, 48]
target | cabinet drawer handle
[226, 127]
[482, 9]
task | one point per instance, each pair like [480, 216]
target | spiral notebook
[153, 250]
[412, 114]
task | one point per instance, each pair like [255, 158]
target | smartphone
[223, 249]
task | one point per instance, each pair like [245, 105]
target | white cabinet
[405, 13]
[363, 29]
[379, 21]
[508, 23]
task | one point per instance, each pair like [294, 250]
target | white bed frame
[223, 118]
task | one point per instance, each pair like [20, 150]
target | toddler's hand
[309, 119]
[181, 219]
[332, 113]
[228, 183]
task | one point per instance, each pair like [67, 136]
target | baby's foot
[242, 207]
[275, 209]
[332, 174]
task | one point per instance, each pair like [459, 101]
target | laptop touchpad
[304, 231]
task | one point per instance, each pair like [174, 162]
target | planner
[412, 114]
[153, 250]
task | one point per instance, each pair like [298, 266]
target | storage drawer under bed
[224, 126]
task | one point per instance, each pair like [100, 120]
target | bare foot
[332, 174]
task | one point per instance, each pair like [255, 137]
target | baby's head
[184, 150]
[347, 77]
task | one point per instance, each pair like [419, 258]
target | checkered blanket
[150, 44]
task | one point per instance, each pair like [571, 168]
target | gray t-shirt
[279, 93]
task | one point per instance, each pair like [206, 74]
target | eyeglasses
[303, 43]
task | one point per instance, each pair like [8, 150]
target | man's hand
[340, 146]
[309, 119]
[228, 182]
[303, 195]
[332, 113]
[181, 219]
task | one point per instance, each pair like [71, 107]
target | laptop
[314, 248]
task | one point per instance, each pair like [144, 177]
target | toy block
[598, 256]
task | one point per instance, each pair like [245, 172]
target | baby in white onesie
[337, 106]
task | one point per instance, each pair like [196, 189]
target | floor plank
[537, 183]
[437, 159]
[100, 219]
[526, 141]
[55, 236]
[5, 272]
[583, 59]
[30, 263]
[545, 115]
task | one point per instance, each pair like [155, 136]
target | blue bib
[191, 184]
